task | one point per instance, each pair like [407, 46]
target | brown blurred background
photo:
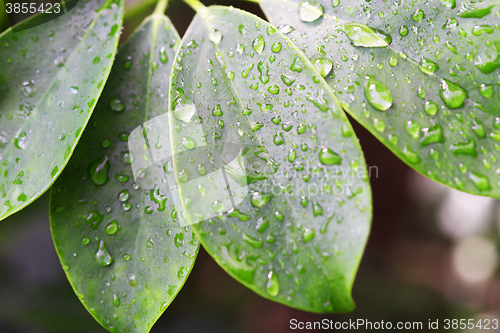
[432, 254]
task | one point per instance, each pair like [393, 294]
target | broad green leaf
[422, 76]
[51, 77]
[123, 249]
[267, 158]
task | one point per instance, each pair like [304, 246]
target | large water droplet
[102, 256]
[112, 228]
[427, 66]
[378, 94]
[329, 157]
[323, 65]
[418, 15]
[258, 44]
[310, 11]
[452, 94]
[188, 143]
[98, 171]
[481, 182]
[215, 36]
[259, 199]
[184, 112]
[365, 36]
[432, 134]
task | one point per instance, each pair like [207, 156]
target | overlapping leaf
[123, 249]
[422, 76]
[51, 78]
[266, 157]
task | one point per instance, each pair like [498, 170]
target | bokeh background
[432, 254]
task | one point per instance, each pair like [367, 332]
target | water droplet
[256, 243]
[132, 281]
[184, 112]
[85, 241]
[98, 171]
[258, 44]
[418, 15]
[430, 108]
[259, 199]
[427, 66]
[179, 239]
[264, 72]
[433, 134]
[279, 139]
[403, 30]
[308, 234]
[393, 61]
[486, 90]
[116, 104]
[127, 65]
[123, 196]
[478, 30]
[20, 140]
[150, 244]
[163, 55]
[102, 255]
[215, 36]
[188, 143]
[412, 128]
[452, 94]
[464, 148]
[310, 11]
[329, 157]
[378, 94]
[365, 36]
[276, 47]
[286, 29]
[116, 300]
[272, 285]
[112, 228]
[323, 65]
[481, 182]
[410, 155]
[274, 89]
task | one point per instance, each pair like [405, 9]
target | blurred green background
[432, 254]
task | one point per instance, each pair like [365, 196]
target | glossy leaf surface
[123, 249]
[267, 158]
[51, 78]
[422, 76]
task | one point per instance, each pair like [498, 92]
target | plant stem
[195, 4]
[138, 9]
[161, 6]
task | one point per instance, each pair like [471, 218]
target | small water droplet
[272, 285]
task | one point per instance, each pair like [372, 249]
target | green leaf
[51, 77]
[266, 156]
[421, 76]
[123, 249]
